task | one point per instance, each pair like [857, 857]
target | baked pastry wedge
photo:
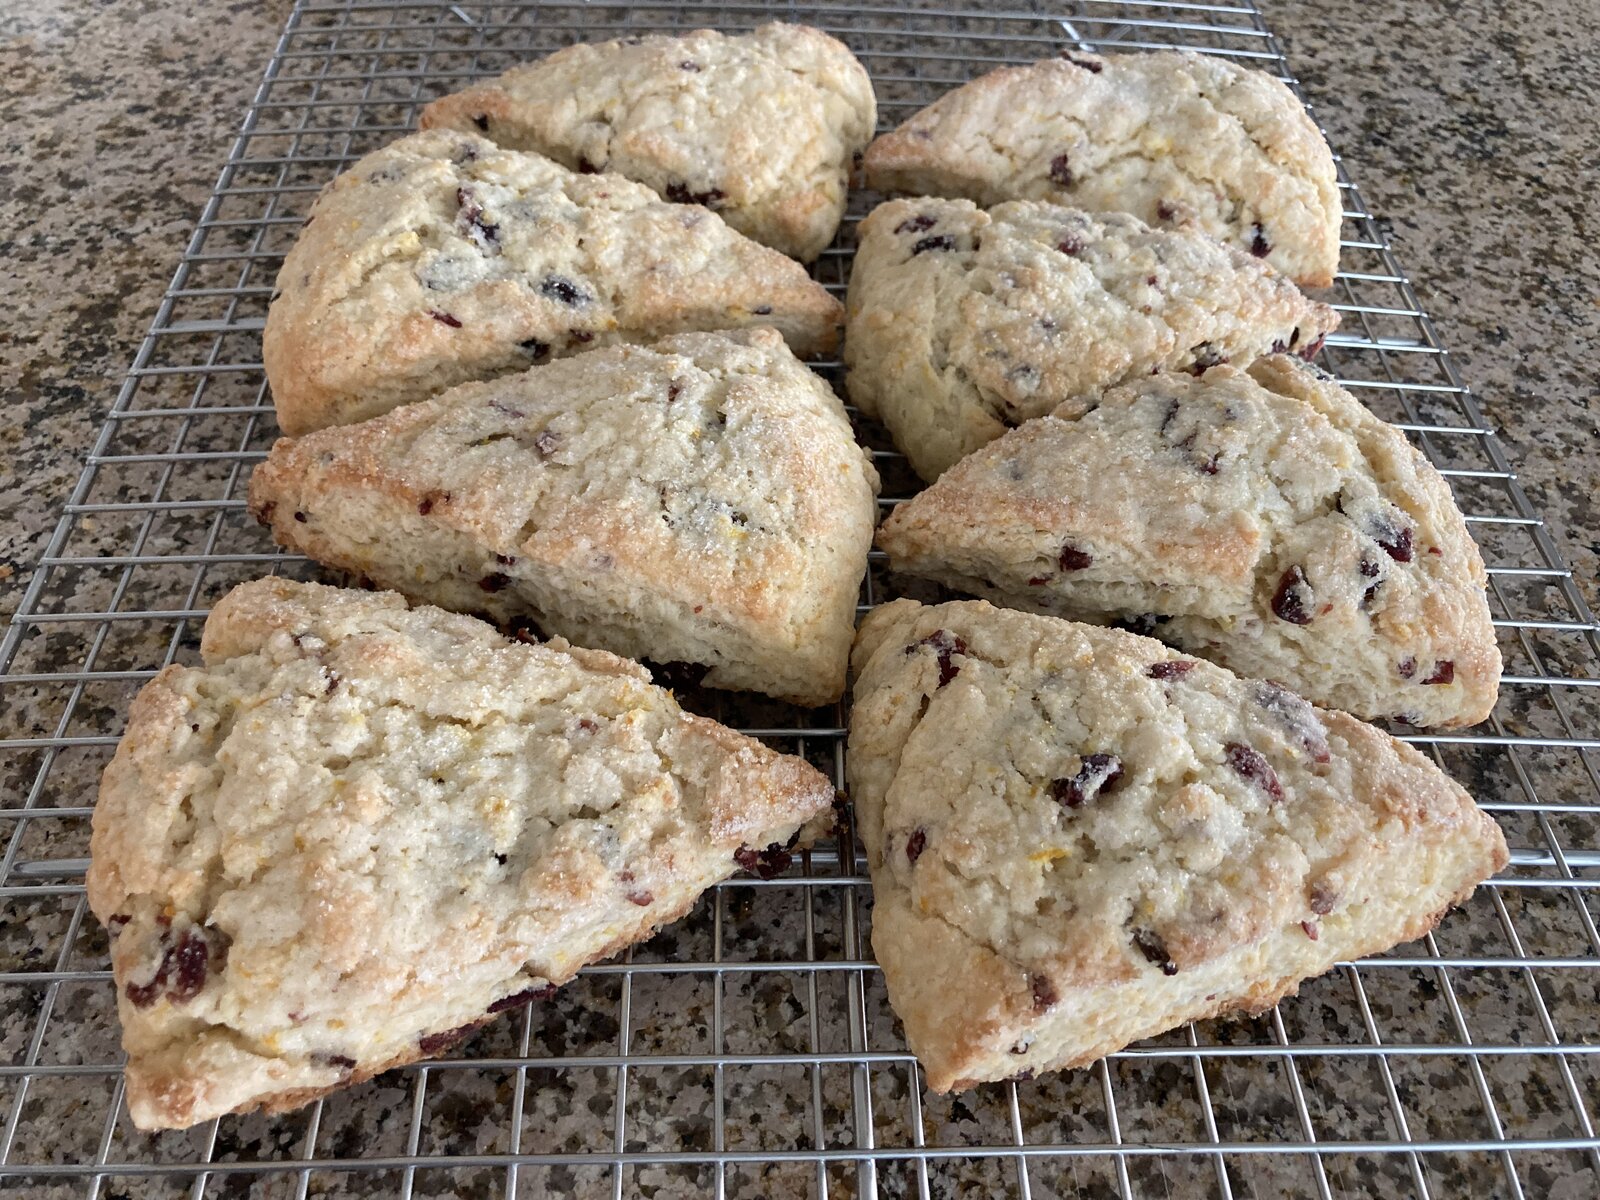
[1263, 519]
[963, 323]
[1078, 838]
[361, 830]
[702, 500]
[443, 258]
[762, 128]
[1178, 139]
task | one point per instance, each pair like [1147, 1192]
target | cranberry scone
[1178, 139]
[1078, 838]
[1262, 519]
[963, 323]
[762, 128]
[443, 258]
[360, 830]
[702, 500]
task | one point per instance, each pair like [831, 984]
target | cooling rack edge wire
[748, 1050]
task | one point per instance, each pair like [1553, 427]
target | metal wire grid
[749, 1050]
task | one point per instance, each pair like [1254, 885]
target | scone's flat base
[812, 1065]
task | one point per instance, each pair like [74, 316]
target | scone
[963, 323]
[443, 258]
[1264, 520]
[1176, 138]
[360, 830]
[702, 500]
[1078, 839]
[762, 128]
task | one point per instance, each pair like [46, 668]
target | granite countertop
[1471, 131]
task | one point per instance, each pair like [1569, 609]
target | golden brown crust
[1191, 499]
[442, 258]
[965, 322]
[1078, 838]
[362, 826]
[762, 126]
[1176, 138]
[702, 500]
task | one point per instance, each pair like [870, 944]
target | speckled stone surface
[1468, 127]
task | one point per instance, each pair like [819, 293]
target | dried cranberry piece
[1310, 351]
[343, 1061]
[915, 844]
[1393, 537]
[1172, 668]
[1206, 356]
[559, 287]
[444, 318]
[117, 922]
[1070, 245]
[1310, 928]
[1407, 667]
[939, 241]
[1322, 898]
[1281, 345]
[1444, 671]
[1165, 211]
[579, 337]
[1088, 64]
[143, 995]
[301, 517]
[1038, 580]
[525, 997]
[494, 582]
[484, 234]
[1259, 246]
[1293, 599]
[679, 193]
[426, 504]
[1251, 765]
[506, 560]
[438, 1043]
[184, 967]
[766, 864]
[946, 645]
[1149, 943]
[917, 224]
[1061, 171]
[1045, 996]
[264, 514]
[547, 443]
[1096, 773]
[1073, 559]
[1297, 716]
[641, 897]
[481, 120]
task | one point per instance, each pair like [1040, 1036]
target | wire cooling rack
[749, 1050]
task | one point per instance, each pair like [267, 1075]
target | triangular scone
[360, 830]
[1078, 839]
[762, 128]
[443, 258]
[963, 323]
[1265, 520]
[1176, 138]
[702, 500]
